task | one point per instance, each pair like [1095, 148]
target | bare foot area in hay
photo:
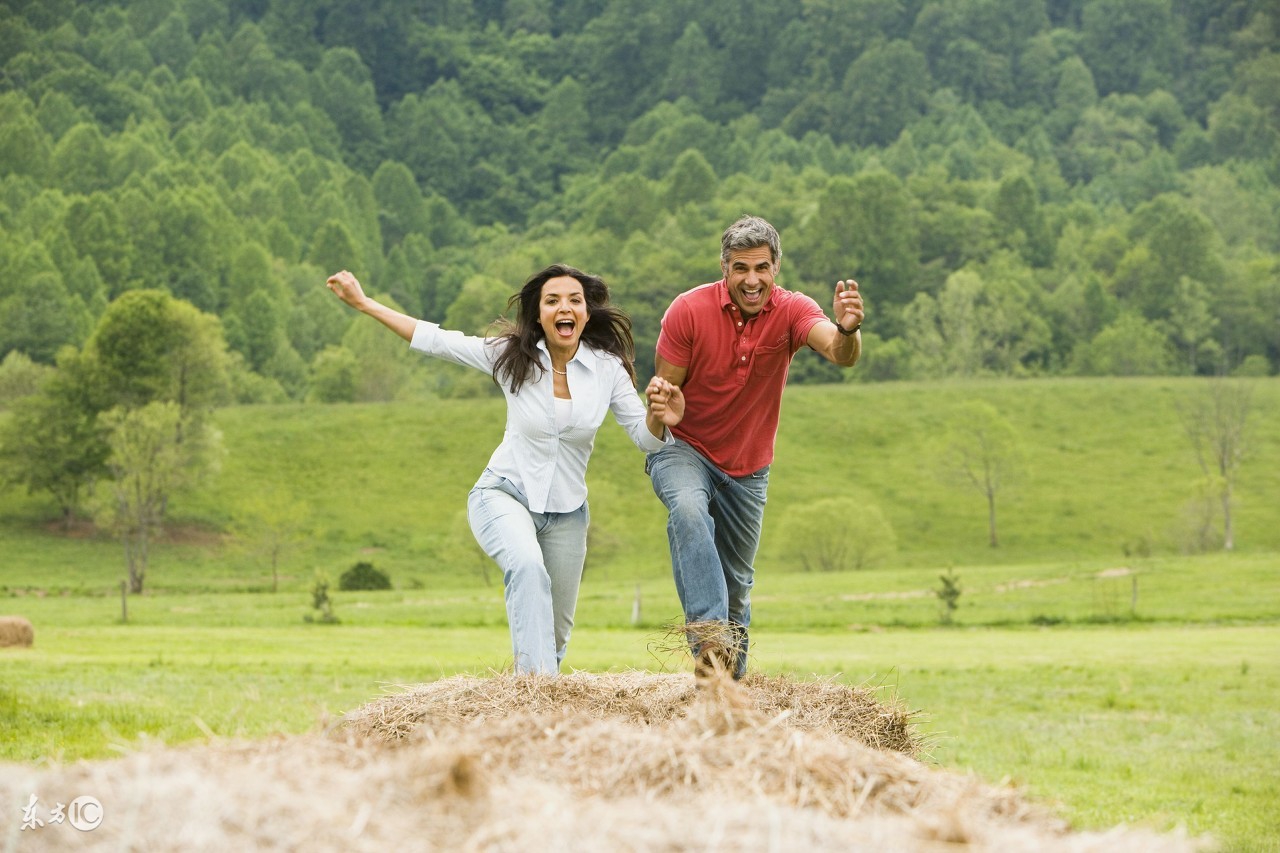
[620, 761]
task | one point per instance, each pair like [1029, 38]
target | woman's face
[563, 312]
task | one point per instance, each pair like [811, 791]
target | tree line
[1084, 187]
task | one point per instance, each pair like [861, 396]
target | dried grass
[628, 761]
[16, 631]
[639, 697]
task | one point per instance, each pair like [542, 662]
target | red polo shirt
[736, 370]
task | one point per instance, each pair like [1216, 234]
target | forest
[1022, 187]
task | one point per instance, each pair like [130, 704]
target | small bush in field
[322, 603]
[363, 576]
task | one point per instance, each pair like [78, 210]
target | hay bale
[16, 631]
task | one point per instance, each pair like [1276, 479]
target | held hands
[666, 401]
[847, 305]
[348, 289]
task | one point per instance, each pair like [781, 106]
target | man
[729, 345]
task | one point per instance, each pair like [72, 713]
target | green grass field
[1161, 724]
[1090, 661]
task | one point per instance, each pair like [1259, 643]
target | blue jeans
[713, 528]
[541, 557]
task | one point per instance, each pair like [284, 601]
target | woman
[562, 364]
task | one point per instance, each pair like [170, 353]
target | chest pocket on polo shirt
[769, 360]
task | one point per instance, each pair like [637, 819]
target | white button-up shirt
[548, 464]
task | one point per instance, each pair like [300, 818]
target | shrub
[363, 576]
[815, 536]
[948, 593]
[322, 603]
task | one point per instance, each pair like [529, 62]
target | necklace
[560, 372]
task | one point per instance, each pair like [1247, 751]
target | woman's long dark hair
[608, 328]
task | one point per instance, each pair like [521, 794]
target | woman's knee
[525, 569]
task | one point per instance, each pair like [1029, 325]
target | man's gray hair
[750, 232]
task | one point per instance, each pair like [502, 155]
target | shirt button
[744, 358]
[739, 323]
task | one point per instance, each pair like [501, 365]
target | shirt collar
[722, 290]
[586, 356]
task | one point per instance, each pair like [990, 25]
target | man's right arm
[673, 373]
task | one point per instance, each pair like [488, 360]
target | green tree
[40, 317]
[864, 227]
[20, 377]
[691, 180]
[147, 462]
[271, 523]
[261, 323]
[51, 443]
[979, 325]
[694, 72]
[1129, 44]
[885, 89]
[97, 229]
[149, 347]
[80, 160]
[171, 43]
[192, 229]
[622, 219]
[1131, 346]
[815, 536]
[482, 300]
[333, 376]
[1170, 240]
[437, 134]
[249, 272]
[1192, 327]
[24, 144]
[1075, 92]
[562, 130]
[401, 208]
[983, 451]
[383, 359]
[1216, 421]
[1022, 222]
[333, 248]
[343, 87]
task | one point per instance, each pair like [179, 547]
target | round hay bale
[16, 631]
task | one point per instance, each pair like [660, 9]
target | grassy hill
[1109, 473]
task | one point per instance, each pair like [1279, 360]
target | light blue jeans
[541, 557]
[713, 529]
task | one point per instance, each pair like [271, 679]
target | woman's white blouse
[548, 464]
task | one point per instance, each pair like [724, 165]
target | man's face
[749, 276]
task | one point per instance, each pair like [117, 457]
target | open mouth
[752, 295]
[564, 328]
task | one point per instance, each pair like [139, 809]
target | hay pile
[628, 762]
[636, 697]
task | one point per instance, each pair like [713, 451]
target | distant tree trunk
[1215, 422]
[146, 464]
[982, 450]
[137, 552]
[991, 518]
